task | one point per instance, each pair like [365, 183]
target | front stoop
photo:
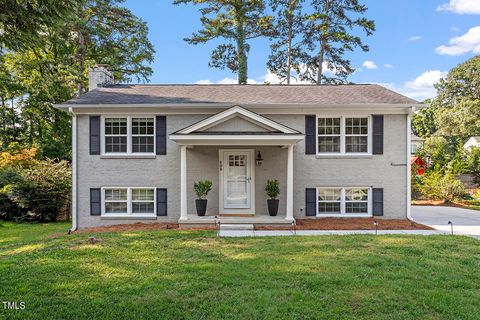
[239, 226]
[233, 223]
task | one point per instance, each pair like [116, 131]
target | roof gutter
[67, 106]
[74, 171]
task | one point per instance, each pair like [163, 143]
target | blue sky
[415, 44]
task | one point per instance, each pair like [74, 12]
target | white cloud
[455, 29]
[204, 81]
[270, 78]
[414, 38]
[419, 88]
[422, 87]
[467, 42]
[370, 64]
[461, 6]
[387, 65]
[228, 81]
[224, 81]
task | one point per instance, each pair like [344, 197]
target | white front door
[236, 182]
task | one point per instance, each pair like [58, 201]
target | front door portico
[236, 160]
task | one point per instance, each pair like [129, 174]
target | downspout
[74, 170]
[409, 167]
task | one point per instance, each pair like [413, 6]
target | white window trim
[342, 213]
[342, 152]
[129, 213]
[414, 146]
[129, 136]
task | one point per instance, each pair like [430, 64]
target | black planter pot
[272, 206]
[201, 205]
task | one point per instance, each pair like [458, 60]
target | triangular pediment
[237, 124]
[237, 119]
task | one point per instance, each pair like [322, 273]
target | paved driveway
[465, 221]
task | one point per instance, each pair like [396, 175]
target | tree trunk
[290, 35]
[4, 114]
[323, 43]
[4, 123]
[241, 54]
[80, 52]
[14, 121]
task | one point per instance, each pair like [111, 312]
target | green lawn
[175, 274]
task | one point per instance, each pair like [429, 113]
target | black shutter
[94, 134]
[310, 131]
[377, 134]
[310, 202]
[161, 134]
[95, 202]
[161, 202]
[377, 201]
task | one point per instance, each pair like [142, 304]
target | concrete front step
[237, 226]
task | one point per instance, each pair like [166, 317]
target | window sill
[345, 215]
[128, 156]
[344, 156]
[128, 217]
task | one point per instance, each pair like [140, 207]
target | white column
[290, 183]
[183, 182]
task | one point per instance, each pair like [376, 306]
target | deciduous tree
[457, 105]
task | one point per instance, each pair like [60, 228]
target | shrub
[202, 188]
[9, 210]
[473, 160]
[35, 192]
[15, 156]
[272, 188]
[438, 186]
[477, 195]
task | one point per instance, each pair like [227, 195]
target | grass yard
[172, 274]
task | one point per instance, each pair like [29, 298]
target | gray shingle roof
[241, 94]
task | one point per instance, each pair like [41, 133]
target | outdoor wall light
[259, 159]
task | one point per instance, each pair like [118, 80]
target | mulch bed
[428, 203]
[302, 224]
[350, 224]
[130, 227]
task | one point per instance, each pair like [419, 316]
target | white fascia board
[236, 139]
[206, 106]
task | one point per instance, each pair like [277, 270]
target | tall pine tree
[286, 51]
[329, 35]
[235, 21]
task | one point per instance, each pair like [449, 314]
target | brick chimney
[99, 76]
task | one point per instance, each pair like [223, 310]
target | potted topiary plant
[272, 188]
[202, 188]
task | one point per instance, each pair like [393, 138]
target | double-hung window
[116, 135]
[329, 135]
[116, 201]
[343, 201]
[343, 135]
[356, 135]
[128, 201]
[128, 135]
